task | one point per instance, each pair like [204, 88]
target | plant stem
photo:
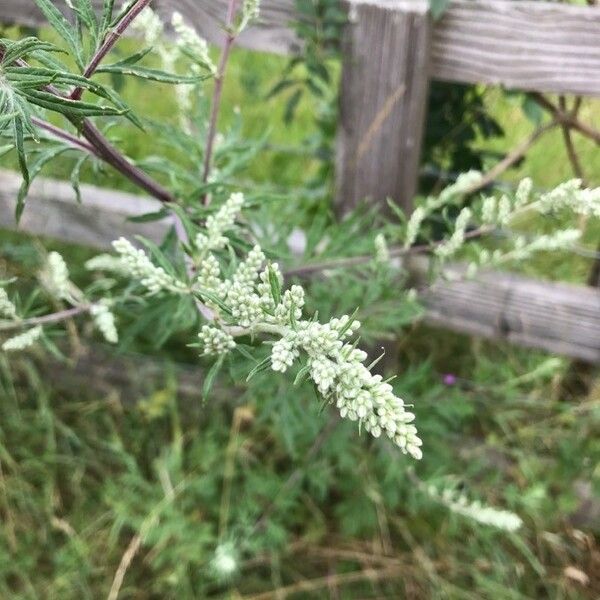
[56, 317]
[394, 251]
[111, 39]
[109, 153]
[569, 119]
[61, 134]
[116, 159]
[218, 93]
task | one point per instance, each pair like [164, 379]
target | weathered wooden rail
[391, 49]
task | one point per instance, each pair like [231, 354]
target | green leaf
[16, 50]
[275, 285]
[124, 11]
[158, 255]
[35, 168]
[214, 299]
[151, 74]
[302, 373]
[150, 217]
[532, 110]
[438, 8]
[280, 86]
[63, 28]
[66, 106]
[6, 149]
[347, 326]
[292, 104]
[20, 147]
[75, 173]
[263, 365]
[107, 11]
[85, 11]
[211, 376]
[134, 58]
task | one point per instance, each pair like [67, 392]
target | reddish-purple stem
[61, 134]
[216, 101]
[111, 39]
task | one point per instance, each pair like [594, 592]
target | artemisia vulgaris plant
[56, 101]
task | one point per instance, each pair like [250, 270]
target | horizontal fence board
[556, 317]
[51, 210]
[553, 316]
[529, 45]
[272, 33]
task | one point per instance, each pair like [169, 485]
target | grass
[130, 479]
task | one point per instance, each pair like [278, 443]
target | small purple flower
[449, 379]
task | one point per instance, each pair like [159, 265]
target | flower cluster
[487, 515]
[225, 561]
[215, 340]
[23, 340]
[382, 252]
[105, 321]
[107, 262]
[190, 44]
[250, 12]
[414, 224]
[569, 195]
[187, 44]
[451, 246]
[7, 307]
[252, 301]
[150, 26]
[55, 277]
[139, 266]
[219, 223]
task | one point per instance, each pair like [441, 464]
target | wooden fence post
[383, 101]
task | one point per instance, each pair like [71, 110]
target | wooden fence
[391, 49]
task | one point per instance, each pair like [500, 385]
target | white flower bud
[215, 341]
[283, 355]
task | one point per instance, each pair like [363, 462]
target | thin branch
[570, 147]
[128, 556]
[218, 93]
[566, 118]
[64, 135]
[394, 252]
[338, 579]
[56, 317]
[511, 158]
[111, 155]
[111, 39]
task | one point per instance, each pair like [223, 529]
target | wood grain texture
[557, 317]
[382, 103]
[26, 12]
[271, 33]
[51, 210]
[529, 44]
